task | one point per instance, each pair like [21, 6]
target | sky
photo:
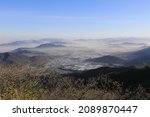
[35, 19]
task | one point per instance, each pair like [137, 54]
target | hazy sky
[26, 19]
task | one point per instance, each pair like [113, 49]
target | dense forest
[22, 82]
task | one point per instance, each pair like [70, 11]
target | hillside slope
[20, 82]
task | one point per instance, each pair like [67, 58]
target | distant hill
[108, 59]
[9, 58]
[27, 52]
[34, 42]
[13, 58]
[139, 58]
[16, 43]
[140, 53]
[48, 45]
[21, 51]
[139, 61]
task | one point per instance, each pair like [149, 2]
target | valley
[80, 55]
[77, 69]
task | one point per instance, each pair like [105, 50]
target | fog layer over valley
[82, 54]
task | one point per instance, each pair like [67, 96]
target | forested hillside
[24, 82]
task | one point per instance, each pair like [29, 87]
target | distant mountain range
[108, 41]
[107, 59]
[121, 40]
[20, 43]
[25, 55]
[48, 45]
[140, 53]
[38, 42]
[140, 57]
[16, 43]
[137, 58]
